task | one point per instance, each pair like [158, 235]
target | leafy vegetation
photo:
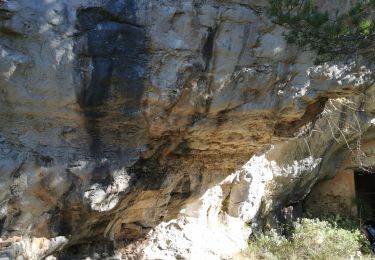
[332, 238]
[331, 36]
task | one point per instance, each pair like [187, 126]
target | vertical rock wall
[146, 128]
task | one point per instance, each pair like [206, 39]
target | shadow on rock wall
[112, 64]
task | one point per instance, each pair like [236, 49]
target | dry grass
[311, 239]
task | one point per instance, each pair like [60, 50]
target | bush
[310, 239]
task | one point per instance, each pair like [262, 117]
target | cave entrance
[365, 194]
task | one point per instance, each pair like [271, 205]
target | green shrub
[311, 239]
[365, 27]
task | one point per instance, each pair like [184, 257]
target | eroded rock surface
[158, 129]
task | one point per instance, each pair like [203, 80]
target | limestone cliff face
[157, 129]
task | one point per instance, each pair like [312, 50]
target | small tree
[329, 37]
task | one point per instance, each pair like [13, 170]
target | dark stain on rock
[123, 9]
[2, 223]
[6, 16]
[93, 129]
[149, 174]
[45, 160]
[101, 174]
[112, 62]
[112, 56]
[208, 47]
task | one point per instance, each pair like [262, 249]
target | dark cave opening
[365, 194]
